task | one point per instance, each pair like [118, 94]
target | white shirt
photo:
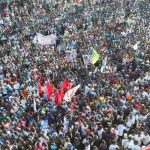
[84, 127]
[66, 145]
[139, 139]
[136, 88]
[135, 147]
[128, 124]
[30, 88]
[1, 21]
[121, 128]
[100, 132]
[134, 112]
[14, 110]
[16, 86]
[134, 137]
[1, 68]
[87, 147]
[129, 144]
[84, 141]
[132, 120]
[23, 102]
[124, 141]
[146, 139]
[113, 147]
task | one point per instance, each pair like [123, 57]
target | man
[124, 140]
[87, 146]
[129, 143]
[135, 146]
[114, 146]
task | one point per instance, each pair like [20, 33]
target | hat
[88, 131]
[125, 136]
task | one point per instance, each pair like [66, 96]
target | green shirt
[3, 117]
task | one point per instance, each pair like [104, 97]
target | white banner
[46, 40]
[86, 59]
[71, 55]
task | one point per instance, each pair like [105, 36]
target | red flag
[57, 98]
[39, 87]
[64, 84]
[62, 92]
[59, 101]
[49, 90]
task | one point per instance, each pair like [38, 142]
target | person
[134, 146]
[103, 145]
[113, 145]
[124, 140]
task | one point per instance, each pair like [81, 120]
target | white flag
[135, 47]
[86, 90]
[34, 107]
[86, 59]
[69, 94]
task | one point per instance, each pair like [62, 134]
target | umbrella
[146, 148]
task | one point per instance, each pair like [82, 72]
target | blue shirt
[51, 131]
[53, 147]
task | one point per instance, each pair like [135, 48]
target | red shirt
[138, 105]
[4, 12]
[13, 79]
[79, 117]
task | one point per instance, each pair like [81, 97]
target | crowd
[110, 108]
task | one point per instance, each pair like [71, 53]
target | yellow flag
[94, 57]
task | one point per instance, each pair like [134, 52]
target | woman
[103, 145]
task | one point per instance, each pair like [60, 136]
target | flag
[104, 63]
[39, 87]
[94, 57]
[59, 101]
[96, 69]
[53, 88]
[86, 59]
[69, 94]
[34, 107]
[64, 84]
[62, 93]
[86, 90]
[146, 148]
[71, 55]
[46, 40]
[144, 118]
[48, 90]
[56, 96]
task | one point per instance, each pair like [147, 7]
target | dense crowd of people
[110, 109]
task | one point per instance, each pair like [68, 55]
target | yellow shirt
[102, 98]
[117, 86]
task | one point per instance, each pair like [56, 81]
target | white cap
[125, 136]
